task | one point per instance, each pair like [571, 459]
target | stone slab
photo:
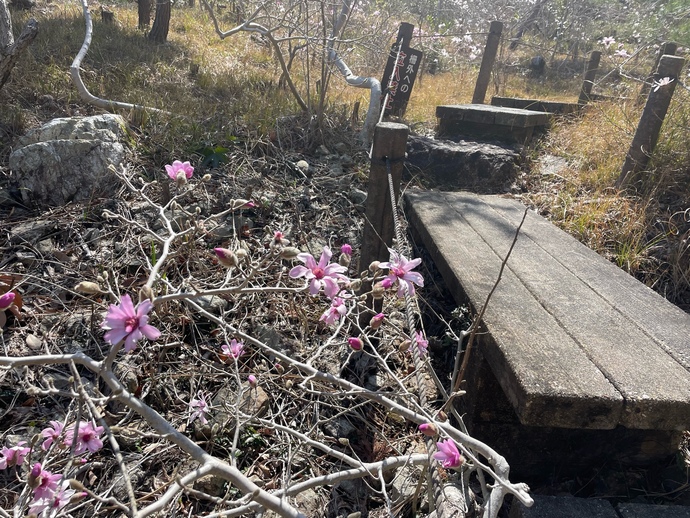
[554, 107]
[563, 507]
[652, 511]
[480, 167]
[557, 344]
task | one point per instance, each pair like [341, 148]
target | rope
[409, 310]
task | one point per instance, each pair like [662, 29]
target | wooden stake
[390, 142]
[668, 49]
[649, 127]
[488, 60]
[590, 75]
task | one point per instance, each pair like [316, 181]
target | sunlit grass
[218, 90]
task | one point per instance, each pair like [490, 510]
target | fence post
[590, 74]
[488, 59]
[668, 48]
[390, 142]
[648, 128]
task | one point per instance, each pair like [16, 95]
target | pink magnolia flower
[279, 239]
[421, 342]
[320, 275]
[400, 269]
[179, 167]
[199, 408]
[608, 41]
[346, 249]
[234, 350]
[51, 434]
[125, 322]
[448, 454]
[88, 437]
[335, 312]
[6, 300]
[47, 484]
[53, 502]
[13, 456]
[664, 81]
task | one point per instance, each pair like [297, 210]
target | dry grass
[235, 95]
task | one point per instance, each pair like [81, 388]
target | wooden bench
[486, 121]
[572, 341]
[553, 107]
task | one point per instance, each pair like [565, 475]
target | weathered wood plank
[656, 388]
[635, 339]
[488, 114]
[554, 107]
[667, 324]
[545, 374]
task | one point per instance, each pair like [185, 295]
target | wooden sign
[400, 72]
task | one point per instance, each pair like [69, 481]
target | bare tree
[144, 13]
[10, 49]
[6, 38]
[161, 23]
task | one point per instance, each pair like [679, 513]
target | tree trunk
[6, 38]
[10, 55]
[144, 9]
[161, 24]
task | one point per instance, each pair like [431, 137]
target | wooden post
[488, 60]
[648, 128]
[669, 49]
[590, 75]
[390, 142]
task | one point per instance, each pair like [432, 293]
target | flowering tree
[249, 421]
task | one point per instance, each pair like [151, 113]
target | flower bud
[34, 476]
[374, 266]
[241, 204]
[251, 379]
[344, 260]
[377, 291]
[442, 416]
[90, 288]
[78, 497]
[356, 285]
[180, 179]
[6, 300]
[346, 249]
[145, 293]
[288, 384]
[376, 320]
[355, 343]
[289, 252]
[428, 429]
[226, 257]
[386, 283]
[206, 177]
[404, 345]
[241, 254]
[279, 368]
